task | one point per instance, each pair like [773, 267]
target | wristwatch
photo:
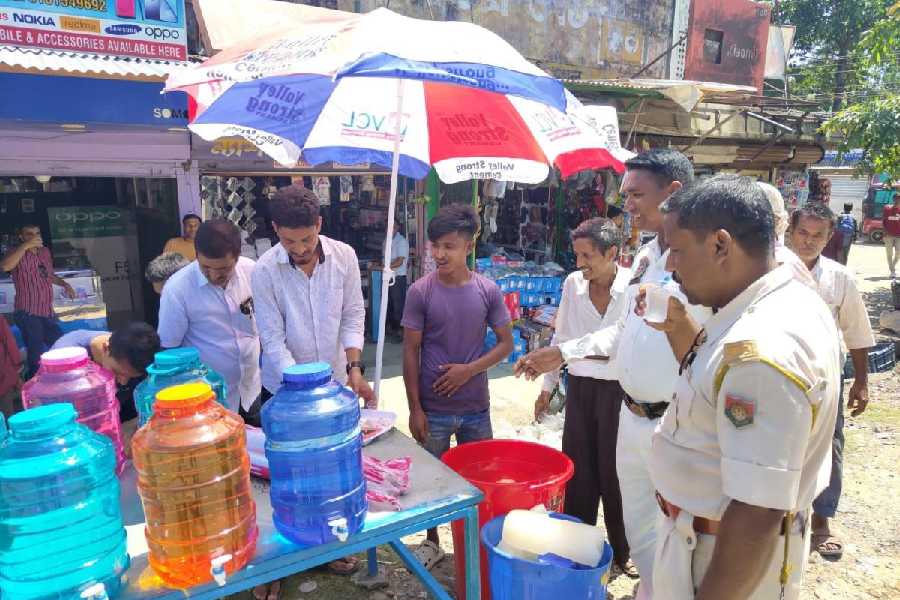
[356, 364]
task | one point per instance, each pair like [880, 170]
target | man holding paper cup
[738, 458]
[647, 368]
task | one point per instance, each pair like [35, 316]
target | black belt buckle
[646, 409]
[656, 411]
[635, 407]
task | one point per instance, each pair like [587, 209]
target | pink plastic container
[68, 375]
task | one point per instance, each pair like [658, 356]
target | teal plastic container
[174, 367]
[61, 533]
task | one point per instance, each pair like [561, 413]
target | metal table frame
[428, 505]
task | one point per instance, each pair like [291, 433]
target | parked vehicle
[873, 207]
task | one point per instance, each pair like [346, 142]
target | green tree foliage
[826, 64]
[873, 121]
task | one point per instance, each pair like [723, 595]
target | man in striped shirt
[31, 266]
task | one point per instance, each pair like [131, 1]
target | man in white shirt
[208, 305]
[811, 228]
[592, 298]
[308, 297]
[738, 457]
[648, 370]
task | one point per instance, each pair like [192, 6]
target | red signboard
[727, 42]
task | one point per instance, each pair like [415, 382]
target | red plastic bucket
[512, 474]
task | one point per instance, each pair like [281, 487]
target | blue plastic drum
[515, 578]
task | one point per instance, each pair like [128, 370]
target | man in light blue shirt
[208, 305]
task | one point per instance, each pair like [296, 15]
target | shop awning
[56, 62]
[224, 23]
[685, 94]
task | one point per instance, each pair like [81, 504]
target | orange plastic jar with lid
[194, 482]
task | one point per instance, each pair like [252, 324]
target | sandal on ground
[429, 554]
[344, 566]
[629, 570]
[828, 546]
[267, 589]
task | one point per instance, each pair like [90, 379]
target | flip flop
[429, 554]
[629, 570]
[344, 566]
[828, 546]
[268, 587]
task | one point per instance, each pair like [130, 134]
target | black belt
[646, 410]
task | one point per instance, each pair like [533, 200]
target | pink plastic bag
[386, 481]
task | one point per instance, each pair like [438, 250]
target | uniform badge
[739, 411]
[639, 272]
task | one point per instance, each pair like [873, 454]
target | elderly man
[162, 267]
[738, 458]
[593, 297]
[811, 228]
[208, 305]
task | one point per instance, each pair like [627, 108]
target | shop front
[237, 180]
[102, 167]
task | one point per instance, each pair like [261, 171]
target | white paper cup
[657, 302]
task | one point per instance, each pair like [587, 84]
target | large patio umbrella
[403, 93]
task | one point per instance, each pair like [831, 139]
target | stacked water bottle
[60, 458]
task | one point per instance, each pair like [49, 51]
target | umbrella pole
[387, 273]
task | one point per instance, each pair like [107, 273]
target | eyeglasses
[247, 307]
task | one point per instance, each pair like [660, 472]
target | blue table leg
[473, 555]
[415, 567]
[372, 560]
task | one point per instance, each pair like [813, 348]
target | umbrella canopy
[465, 133]
[399, 92]
[327, 91]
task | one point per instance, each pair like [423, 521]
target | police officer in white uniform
[745, 448]
[647, 367]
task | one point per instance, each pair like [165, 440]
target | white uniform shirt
[577, 316]
[193, 312]
[308, 319]
[837, 287]
[705, 454]
[647, 368]
[400, 247]
[786, 256]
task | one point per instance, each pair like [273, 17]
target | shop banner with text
[142, 28]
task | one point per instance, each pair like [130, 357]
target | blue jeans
[471, 427]
[39, 334]
[827, 502]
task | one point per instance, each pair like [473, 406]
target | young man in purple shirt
[444, 364]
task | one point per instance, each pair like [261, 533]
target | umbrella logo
[278, 102]
[374, 125]
[473, 129]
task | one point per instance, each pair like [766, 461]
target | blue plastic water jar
[314, 448]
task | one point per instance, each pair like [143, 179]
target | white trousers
[682, 558]
[639, 507]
